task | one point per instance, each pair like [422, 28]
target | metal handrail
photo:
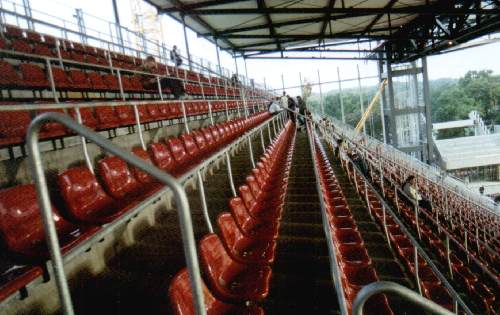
[392, 287]
[334, 266]
[450, 236]
[38, 174]
[413, 240]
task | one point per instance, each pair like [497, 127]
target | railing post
[139, 128]
[84, 142]
[51, 80]
[204, 202]
[184, 117]
[417, 273]
[262, 141]
[230, 174]
[251, 151]
[210, 113]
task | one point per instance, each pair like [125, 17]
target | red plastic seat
[353, 255]
[439, 295]
[181, 300]
[179, 153]
[162, 157]
[22, 46]
[85, 199]
[125, 115]
[12, 31]
[14, 277]
[51, 129]
[250, 227]
[191, 148]
[348, 237]
[9, 77]
[111, 82]
[21, 225]
[229, 279]
[140, 175]
[117, 177]
[61, 80]
[269, 210]
[106, 116]
[355, 278]
[13, 127]
[33, 76]
[88, 118]
[96, 81]
[79, 80]
[241, 248]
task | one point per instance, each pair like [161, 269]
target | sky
[451, 65]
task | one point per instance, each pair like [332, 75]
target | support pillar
[428, 111]
[218, 57]
[383, 97]
[390, 90]
[361, 101]
[322, 106]
[118, 26]
[186, 42]
[27, 11]
[340, 96]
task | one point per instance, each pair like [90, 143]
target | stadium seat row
[354, 262]
[236, 263]
[86, 200]
[14, 124]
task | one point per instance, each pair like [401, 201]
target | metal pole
[184, 117]
[210, 114]
[139, 129]
[251, 151]
[283, 82]
[383, 99]
[186, 42]
[340, 96]
[428, 111]
[84, 142]
[27, 11]
[236, 65]
[218, 57]
[204, 202]
[321, 96]
[230, 174]
[361, 105]
[51, 80]
[246, 71]
[118, 25]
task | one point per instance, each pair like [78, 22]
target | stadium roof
[295, 29]
[466, 152]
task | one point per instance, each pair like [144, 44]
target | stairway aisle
[137, 278]
[301, 282]
[384, 260]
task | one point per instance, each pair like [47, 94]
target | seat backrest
[254, 186]
[88, 118]
[60, 78]
[200, 140]
[106, 114]
[153, 111]
[21, 45]
[117, 177]
[247, 197]
[79, 79]
[241, 216]
[83, 195]
[190, 145]
[125, 114]
[21, 225]
[12, 31]
[140, 175]
[111, 81]
[9, 75]
[14, 124]
[181, 297]
[208, 136]
[33, 75]
[219, 266]
[178, 151]
[96, 81]
[215, 134]
[175, 110]
[162, 157]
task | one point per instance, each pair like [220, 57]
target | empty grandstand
[119, 194]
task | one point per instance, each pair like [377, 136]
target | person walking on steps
[302, 111]
[292, 106]
[175, 56]
[149, 82]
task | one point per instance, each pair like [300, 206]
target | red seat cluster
[353, 259]
[13, 124]
[90, 200]
[236, 263]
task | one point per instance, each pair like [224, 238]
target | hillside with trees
[451, 99]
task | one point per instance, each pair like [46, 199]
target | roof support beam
[326, 20]
[333, 36]
[420, 9]
[262, 5]
[378, 17]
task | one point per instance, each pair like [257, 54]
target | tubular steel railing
[391, 287]
[176, 185]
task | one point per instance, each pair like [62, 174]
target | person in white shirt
[274, 106]
[412, 192]
[284, 100]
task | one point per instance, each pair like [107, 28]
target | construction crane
[370, 108]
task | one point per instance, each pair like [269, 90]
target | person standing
[292, 106]
[175, 56]
[284, 100]
[302, 110]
